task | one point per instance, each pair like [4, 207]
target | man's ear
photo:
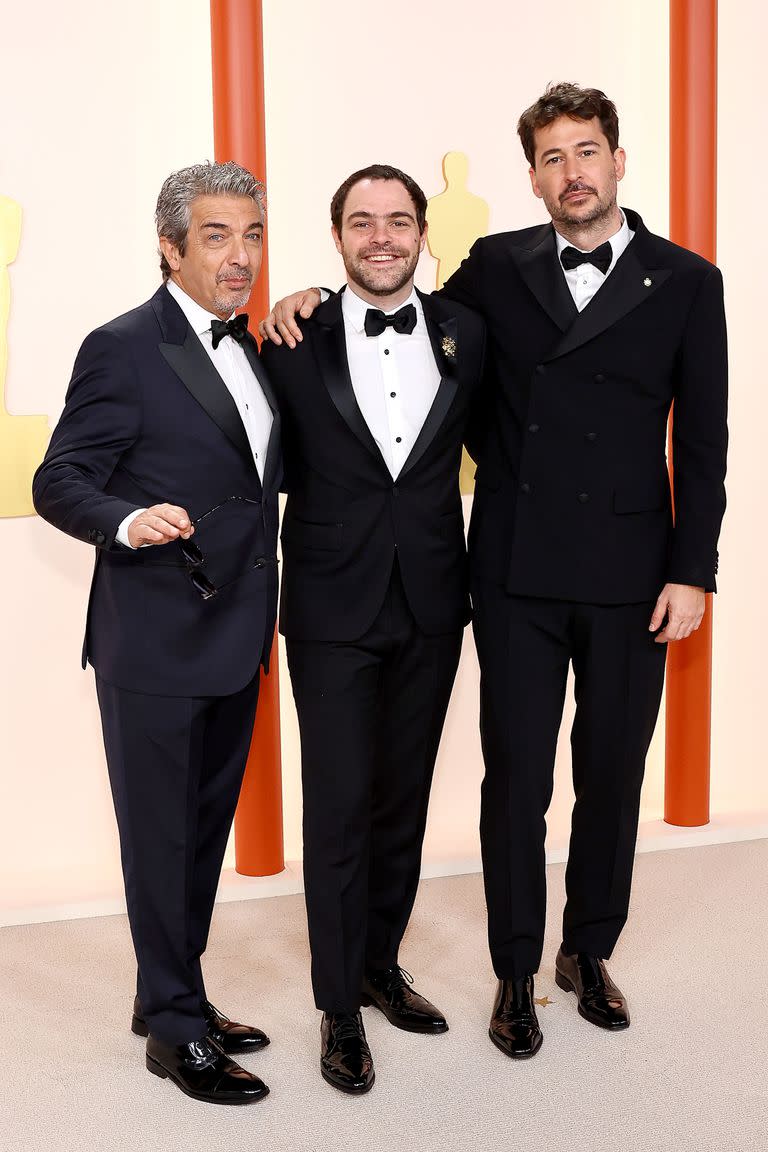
[534, 183]
[423, 237]
[336, 238]
[171, 253]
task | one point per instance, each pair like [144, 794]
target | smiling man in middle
[375, 403]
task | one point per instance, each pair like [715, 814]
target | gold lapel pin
[647, 281]
[449, 347]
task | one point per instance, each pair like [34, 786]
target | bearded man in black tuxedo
[595, 328]
[375, 596]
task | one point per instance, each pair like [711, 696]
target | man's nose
[572, 169]
[380, 233]
[238, 253]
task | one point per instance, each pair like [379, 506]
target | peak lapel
[630, 284]
[443, 335]
[273, 457]
[251, 350]
[541, 271]
[194, 368]
[331, 349]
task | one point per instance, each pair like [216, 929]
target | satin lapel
[443, 335]
[331, 349]
[541, 271]
[630, 283]
[193, 366]
[272, 462]
[252, 356]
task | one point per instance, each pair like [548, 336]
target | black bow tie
[236, 328]
[404, 320]
[600, 258]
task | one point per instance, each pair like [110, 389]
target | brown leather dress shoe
[231, 1037]
[600, 1001]
[201, 1070]
[345, 1058]
[388, 989]
[514, 1024]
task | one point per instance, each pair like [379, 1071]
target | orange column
[238, 128]
[693, 223]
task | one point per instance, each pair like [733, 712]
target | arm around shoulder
[467, 284]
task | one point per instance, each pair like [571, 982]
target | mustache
[236, 274]
[578, 186]
[383, 250]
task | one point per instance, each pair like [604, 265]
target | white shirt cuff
[122, 532]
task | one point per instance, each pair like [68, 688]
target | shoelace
[397, 979]
[201, 1055]
[214, 1014]
[350, 1028]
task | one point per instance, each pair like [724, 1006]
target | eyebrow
[388, 216]
[226, 227]
[581, 144]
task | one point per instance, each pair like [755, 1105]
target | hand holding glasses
[194, 558]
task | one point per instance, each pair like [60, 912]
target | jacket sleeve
[481, 404]
[700, 439]
[100, 421]
[467, 284]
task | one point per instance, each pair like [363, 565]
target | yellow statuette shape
[23, 439]
[456, 218]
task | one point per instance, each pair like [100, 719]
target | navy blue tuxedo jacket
[148, 419]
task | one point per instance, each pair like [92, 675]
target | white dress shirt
[394, 377]
[231, 363]
[584, 280]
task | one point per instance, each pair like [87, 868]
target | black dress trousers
[175, 767]
[524, 647]
[370, 714]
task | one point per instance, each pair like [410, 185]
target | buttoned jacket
[147, 420]
[346, 519]
[573, 496]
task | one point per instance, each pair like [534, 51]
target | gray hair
[182, 187]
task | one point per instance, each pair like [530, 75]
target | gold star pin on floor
[542, 1001]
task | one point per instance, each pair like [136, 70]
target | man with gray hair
[167, 459]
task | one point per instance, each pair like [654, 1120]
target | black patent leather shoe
[345, 1058]
[514, 1023]
[389, 991]
[201, 1070]
[228, 1034]
[600, 1001]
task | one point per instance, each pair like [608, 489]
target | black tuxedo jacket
[573, 498]
[148, 419]
[345, 515]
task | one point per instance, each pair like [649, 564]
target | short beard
[359, 274]
[596, 215]
[232, 303]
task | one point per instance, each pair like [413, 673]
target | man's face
[380, 242]
[222, 254]
[575, 173]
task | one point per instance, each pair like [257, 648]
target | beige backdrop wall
[107, 101]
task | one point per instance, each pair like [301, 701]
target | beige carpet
[691, 1072]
